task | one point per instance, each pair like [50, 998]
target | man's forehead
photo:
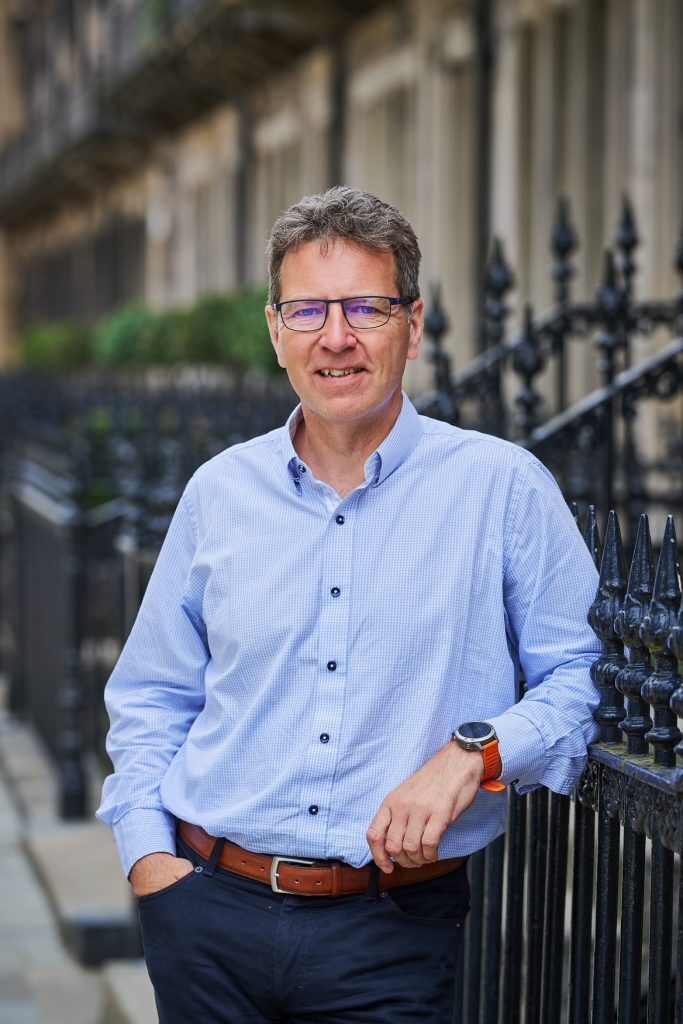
[321, 252]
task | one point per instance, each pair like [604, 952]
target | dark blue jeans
[222, 949]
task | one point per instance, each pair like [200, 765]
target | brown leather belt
[307, 877]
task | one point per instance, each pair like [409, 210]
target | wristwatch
[481, 736]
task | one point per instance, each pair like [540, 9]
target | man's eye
[363, 309]
[305, 312]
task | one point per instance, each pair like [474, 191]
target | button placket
[331, 644]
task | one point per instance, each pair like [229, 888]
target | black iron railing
[594, 446]
[90, 474]
[577, 909]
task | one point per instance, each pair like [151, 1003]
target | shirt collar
[396, 447]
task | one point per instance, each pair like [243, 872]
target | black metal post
[630, 678]
[72, 784]
[563, 242]
[602, 613]
[657, 624]
[514, 910]
[632, 901]
[553, 946]
[538, 864]
[581, 953]
[492, 945]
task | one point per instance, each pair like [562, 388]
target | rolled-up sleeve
[550, 582]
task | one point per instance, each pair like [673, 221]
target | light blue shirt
[297, 656]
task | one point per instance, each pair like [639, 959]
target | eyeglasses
[362, 312]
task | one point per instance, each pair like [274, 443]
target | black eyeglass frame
[401, 300]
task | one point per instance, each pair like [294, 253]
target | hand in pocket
[156, 871]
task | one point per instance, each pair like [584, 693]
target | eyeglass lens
[362, 313]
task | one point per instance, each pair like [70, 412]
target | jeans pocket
[444, 900]
[179, 883]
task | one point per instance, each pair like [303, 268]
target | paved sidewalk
[39, 982]
[59, 881]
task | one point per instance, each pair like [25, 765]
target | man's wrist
[473, 759]
[481, 738]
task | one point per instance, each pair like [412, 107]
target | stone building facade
[147, 145]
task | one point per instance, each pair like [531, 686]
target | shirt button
[331, 666]
[324, 737]
[313, 809]
[340, 520]
[301, 468]
[335, 591]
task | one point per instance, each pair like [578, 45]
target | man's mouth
[340, 373]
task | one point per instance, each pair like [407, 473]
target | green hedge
[225, 330]
[56, 346]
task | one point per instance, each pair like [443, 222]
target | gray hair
[354, 216]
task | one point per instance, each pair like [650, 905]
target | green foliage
[124, 337]
[165, 340]
[251, 347]
[208, 337]
[231, 330]
[221, 330]
[56, 346]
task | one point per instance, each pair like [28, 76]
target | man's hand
[156, 871]
[412, 819]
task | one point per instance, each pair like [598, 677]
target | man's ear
[273, 330]
[416, 327]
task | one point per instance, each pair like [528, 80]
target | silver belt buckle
[275, 864]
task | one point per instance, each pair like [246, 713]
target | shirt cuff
[522, 750]
[144, 831]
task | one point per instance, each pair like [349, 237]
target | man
[333, 602]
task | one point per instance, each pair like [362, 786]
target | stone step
[39, 982]
[128, 994]
[76, 862]
[92, 902]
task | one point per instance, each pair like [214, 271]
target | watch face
[477, 731]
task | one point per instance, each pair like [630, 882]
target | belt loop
[213, 858]
[336, 878]
[372, 895]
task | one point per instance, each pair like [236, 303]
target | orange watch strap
[493, 765]
[493, 786]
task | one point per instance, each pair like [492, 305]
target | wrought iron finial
[436, 321]
[563, 242]
[609, 294]
[630, 679]
[601, 616]
[678, 252]
[678, 264]
[626, 241]
[563, 239]
[659, 621]
[498, 280]
[528, 362]
[610, 301]
[591, 535]
[436, 325]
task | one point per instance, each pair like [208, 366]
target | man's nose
[336, 333]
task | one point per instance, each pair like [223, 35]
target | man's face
[371, 394]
